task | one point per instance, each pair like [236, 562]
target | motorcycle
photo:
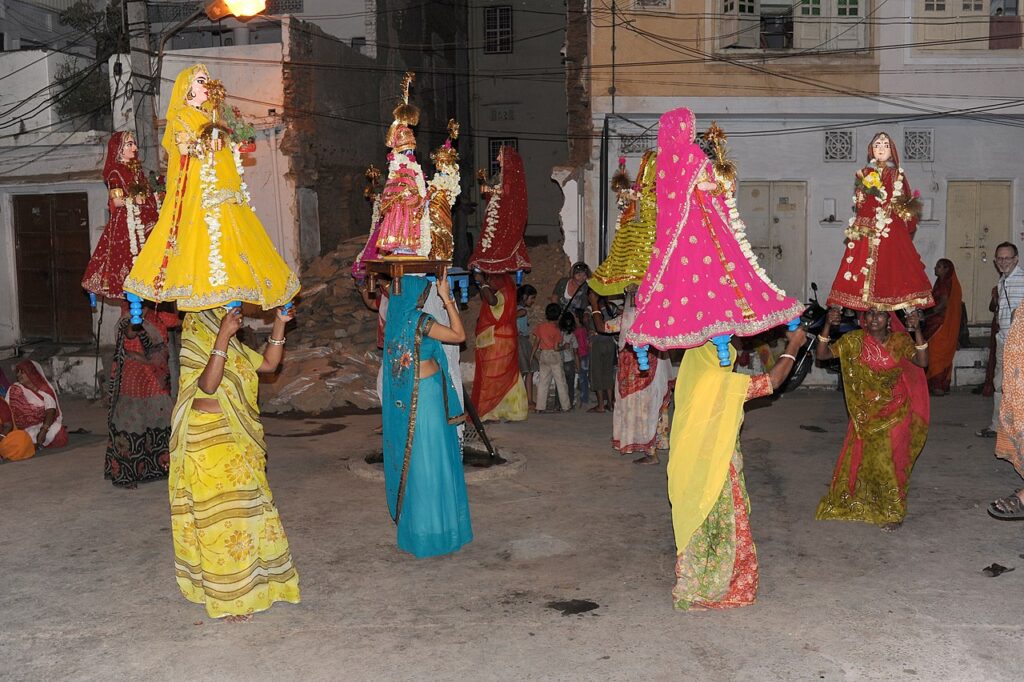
[813, 322]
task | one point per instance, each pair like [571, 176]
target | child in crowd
[547, 343]
[570, 353]
[526, 296]
[583, 342]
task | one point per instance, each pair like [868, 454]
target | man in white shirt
[1009, 294]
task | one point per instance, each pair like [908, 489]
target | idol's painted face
[129, 149]
[197, 90]
[881, 149]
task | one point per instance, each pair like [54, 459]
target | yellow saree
[709, 412]
[230, 550]
[208, 247]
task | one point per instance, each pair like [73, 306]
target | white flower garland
[375, 213]
[242, 187]
[491, 218]
[208, 180]
[212, 199]
[136, 230]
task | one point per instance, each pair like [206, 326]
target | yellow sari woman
[208, 247]
[716, 562]
[230, 550]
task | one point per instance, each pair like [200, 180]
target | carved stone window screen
[839, 145]
[637, 144]
[918, 145]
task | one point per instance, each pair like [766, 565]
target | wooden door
[775, 214]
[977, 220]
[51, 233]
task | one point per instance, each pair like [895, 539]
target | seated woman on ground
[33, 402]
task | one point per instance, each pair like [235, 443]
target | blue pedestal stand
[134, 308]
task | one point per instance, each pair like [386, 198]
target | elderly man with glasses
[1009, 294]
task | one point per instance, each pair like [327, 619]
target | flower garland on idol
[136, 230]
[491, 217]
[211, 202]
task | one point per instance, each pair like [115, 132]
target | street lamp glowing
[218, 9]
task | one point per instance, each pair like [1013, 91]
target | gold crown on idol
[447, 155]
[400, 135]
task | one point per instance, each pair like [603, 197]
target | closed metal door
[977, 220]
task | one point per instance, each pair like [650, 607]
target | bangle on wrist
[787, 355]
[824, 339]
[216, 352]
[276, 342]
[923, 346]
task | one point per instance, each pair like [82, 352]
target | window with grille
[494, 145]
[917, 145]
[839, 145]
[934, 5]
[498, 29]
[284, 7]
[652, 4]
[810, 8]
[848, 8]
[637, 144]
[973, 5]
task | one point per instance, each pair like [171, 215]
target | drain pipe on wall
[602, 227]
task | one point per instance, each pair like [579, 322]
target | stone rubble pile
[332, 357]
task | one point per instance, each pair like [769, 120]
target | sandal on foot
[1009, 508]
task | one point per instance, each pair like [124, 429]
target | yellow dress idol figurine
[208, 248]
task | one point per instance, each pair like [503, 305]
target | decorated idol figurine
[133, 213]
[441, 194]
[501, 247]
[208, 247]
[403, 199]
[881, 269]
[704, 282]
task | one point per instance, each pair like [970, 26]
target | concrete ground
[88, 589]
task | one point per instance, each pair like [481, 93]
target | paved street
[89, 594]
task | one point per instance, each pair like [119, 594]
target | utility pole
[144, 88]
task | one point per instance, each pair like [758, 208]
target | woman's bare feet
[596, 408]
[647, 459]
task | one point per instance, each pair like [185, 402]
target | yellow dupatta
[709, 411]
[236, 394]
